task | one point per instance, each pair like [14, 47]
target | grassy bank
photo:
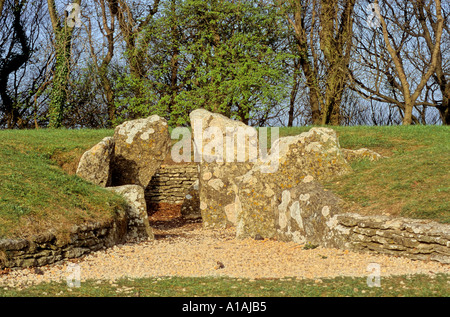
[36, 194]
[412, 181]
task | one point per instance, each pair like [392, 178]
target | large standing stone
[94, 164]
[190, 209]
[303, 213]
[313, 155]
[137, 217]
[225, 149]
[140, 147]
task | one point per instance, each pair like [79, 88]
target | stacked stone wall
[47, 248]
[412, 238]
[171, 183]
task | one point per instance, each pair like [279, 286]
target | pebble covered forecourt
[194, 251]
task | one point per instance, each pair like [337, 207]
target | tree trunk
[11, 64]
[294, 92]
[407, 117]
[58, 95]
[63, 39]
[335, 39]
[102, 70]
[410, 99]
[174, 64]
[110, 99]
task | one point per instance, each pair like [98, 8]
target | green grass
[407, 286]
[36, 194]
[413, 181]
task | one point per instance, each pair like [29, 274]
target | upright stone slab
[94, 164]
[313, 155]
[225, 149]
[137, 217]
[190, 209]
[304, 213]
[140, 147]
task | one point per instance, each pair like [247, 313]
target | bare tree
[430, 24]
[391, 57]
[101, 60]
[21, 72]
[133, 22]
[323, 33]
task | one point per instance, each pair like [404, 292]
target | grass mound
[36, 194]
[413, 181]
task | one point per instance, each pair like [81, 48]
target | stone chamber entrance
[172, 198]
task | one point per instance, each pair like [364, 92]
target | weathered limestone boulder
[225, 149]
[304, 213]
[313, 155]
[94, 164]
[137, 217]
[360, 154]
[190, 209]
[215, 131]
[140, 147]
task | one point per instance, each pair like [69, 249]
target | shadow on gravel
[162, 228]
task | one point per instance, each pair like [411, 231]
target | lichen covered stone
[94, 165]
[140, 147]
[225, 149]
[309, 157]
[136, 213]
[361, 154]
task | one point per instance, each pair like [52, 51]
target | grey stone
[220, 168]
[190, 208]
[298, 214]
[138, 224]
[10, 244]
[94, 165]
[140, 147]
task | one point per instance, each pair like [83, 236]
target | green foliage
[218, 55]
[58, 96]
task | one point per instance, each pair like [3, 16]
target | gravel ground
[193, 251]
